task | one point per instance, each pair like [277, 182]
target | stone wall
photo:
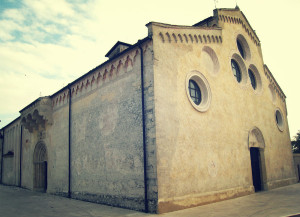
[106, 135]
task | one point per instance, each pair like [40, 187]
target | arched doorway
[256, 148]
[40, 167]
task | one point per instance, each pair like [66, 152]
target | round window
[243, 47]
[252, 78]
[236, 70]
[239, 69]
[195, 92]
[198, 91]
[240, 48]
[279, 119]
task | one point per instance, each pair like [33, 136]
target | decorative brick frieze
[190, 38]
[100, 76]
[235, 20]
[274, 83]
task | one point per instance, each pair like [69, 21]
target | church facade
[187, 116]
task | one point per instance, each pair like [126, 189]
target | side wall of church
[204, 156]
[11, 154]
[58, 151]
[107, 152]
[106, 135]
[107, 159]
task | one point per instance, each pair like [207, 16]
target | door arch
[256, 146]
[40, 167]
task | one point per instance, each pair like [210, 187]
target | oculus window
[198, 91]
[255, 79]
[243, 47]
[236, 70]
[195, 92]
[279, 119]
[252, 78]
[240, 48]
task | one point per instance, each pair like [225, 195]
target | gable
[236, 17]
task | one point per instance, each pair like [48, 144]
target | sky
[46, 44]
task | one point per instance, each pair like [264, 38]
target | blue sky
[46, 44]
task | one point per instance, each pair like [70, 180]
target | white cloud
[46, 9]
[49, 51]
[14, 14]
[7, 27]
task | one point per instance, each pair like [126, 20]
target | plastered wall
[204, 157]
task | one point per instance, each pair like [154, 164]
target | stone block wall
[107, 162]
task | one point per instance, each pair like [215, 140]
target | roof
[272, 76]
[86, 74]
[208, 19]
[99, 66]
[37, 100]
[10, 123]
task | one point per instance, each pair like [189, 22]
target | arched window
[236, 70]
[195, 92]
[252, 79]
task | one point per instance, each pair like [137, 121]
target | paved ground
[17, 202]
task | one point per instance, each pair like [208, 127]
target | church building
[188, 115]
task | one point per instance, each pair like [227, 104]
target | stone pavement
[19, 202]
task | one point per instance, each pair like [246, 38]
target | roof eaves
[274, 80]
[37, 100]
[238, 9]
[10, 123]
[165, 25]
[250, 26]
[104, 63]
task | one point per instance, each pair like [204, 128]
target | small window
[236, 70]
[252, 79]
[195, 92]
[279, 119]
[241, 49]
